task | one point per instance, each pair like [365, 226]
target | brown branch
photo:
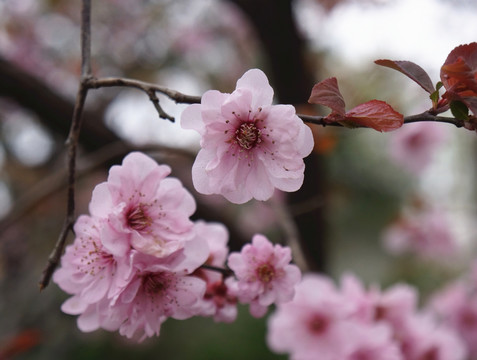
[177, 96]
[155, 101]
[425, 116]
[72, 143]
[149, 88]
[226, 272]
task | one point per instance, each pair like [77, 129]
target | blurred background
[396, 207]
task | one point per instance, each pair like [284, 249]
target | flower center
[265, 273]
[380, 312]
[361, 355]
[318, 324]
[154, 284]
[137, 219]
[431, 354]
[248, 135]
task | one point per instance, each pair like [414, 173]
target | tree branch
[177, 96]
[72, 142]
[149, 88]
[425, 116]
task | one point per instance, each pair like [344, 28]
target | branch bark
[72, 142]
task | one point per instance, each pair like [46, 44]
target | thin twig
[226, 272]
[178, 97]
[149, 88]
[72, 143]
[425, 116]
[292, 237]
[159, 109]
[86, 38]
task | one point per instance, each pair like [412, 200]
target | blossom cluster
[351, 323]
[139, 259]
[456, 305]
[426, 233]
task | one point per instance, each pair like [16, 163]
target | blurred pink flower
[249, 146]
[413, 146]
[354, 324]
[426, 234]
[456, 304]
[424, 338]
[371, 342]
[315, 322]
[143, 209]
[263, 274]
[391, 306]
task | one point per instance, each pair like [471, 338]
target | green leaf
[459, 110]
[435, 95]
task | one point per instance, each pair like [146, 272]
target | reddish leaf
[459, 72]
[411, 70]
[328, 94]
[20, 343]
[376, 114]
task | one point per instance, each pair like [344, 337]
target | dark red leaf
[411, 70]
[459, 72]
[376, 114]
[328, 94]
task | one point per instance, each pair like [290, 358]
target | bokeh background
[358, 182]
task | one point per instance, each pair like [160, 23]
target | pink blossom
[144, 209]
[153, 290]
[362, 301]
[130, 266]
[152, 296]
[146, 290]
[391, 306]
[427, 234]
[414, 145]
[315, 322]
[456, 304]
[264, 274]
[423, 338]
[218, 302]
[87, 268]
[249, 146]
[395, 305]
[371, 342]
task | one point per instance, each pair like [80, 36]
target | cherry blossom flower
[249, 146]
[427, 234]
[315, 322]
[424, 338]
[130, 266]
[456, 304]
[264, 274]
[153, 295]
[144, 209]
[87, 268]
[150, 291]
[371, 342]
[415, 145]
[218, 302]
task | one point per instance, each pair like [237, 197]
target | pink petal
[257, 82]
[191, 118]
